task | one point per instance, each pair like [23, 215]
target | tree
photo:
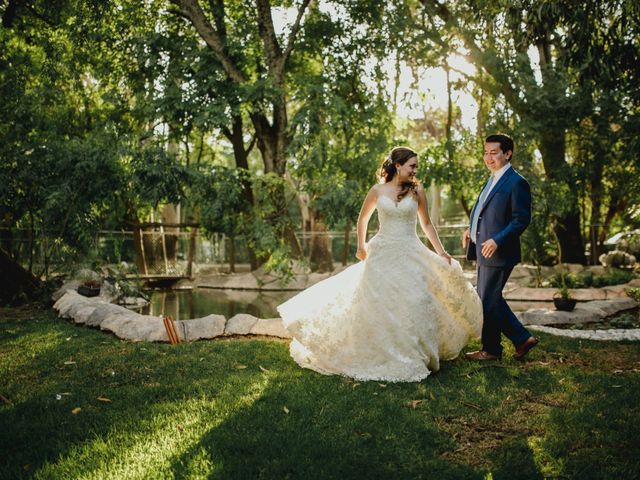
[498, 38]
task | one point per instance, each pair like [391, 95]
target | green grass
[242, 409]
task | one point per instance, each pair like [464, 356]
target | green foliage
[223, 206]
[625, 320]
[587, 279]
[633, 293]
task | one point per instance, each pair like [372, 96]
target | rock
[587, 294]
[66, 286]
[83, 314]
[134, 302]
[616, 291]
[543, 316]
[271, 327]
[531, 294]
[243, 280]
[583, 313]
[635, 283]
[71, 301]
[210, 326]
[240, 324]
[132, 326]
[106, 311]
[606, 308]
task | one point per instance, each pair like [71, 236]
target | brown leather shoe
[523, 349]
[481, 356]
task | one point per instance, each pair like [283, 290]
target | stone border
[129, 325]
[614, 334]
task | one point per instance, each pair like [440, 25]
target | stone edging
[614, 334]
[130, 325]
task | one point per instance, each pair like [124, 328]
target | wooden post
[164, 251]
[192, 251]
[144, 259]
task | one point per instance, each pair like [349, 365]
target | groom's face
[494, 157]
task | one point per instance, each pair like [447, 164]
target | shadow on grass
[306, 425]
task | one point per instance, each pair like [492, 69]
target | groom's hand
[488, 248]
[466, 236]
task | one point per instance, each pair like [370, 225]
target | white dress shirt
[497, 175]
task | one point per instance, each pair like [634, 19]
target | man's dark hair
[505, 141]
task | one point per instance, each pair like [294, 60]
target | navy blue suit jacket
[504, 216]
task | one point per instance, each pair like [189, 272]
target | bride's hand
[446, 256]
[361, 254]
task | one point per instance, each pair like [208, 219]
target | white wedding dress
[392, 317]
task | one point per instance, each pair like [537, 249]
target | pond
[200, 302]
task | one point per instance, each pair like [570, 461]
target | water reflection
[196, 303]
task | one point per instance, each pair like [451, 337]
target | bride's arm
[427, 227]
[368, 206]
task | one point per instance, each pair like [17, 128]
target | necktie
[476, 213]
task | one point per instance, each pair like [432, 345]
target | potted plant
[90, 283]
[562, 298]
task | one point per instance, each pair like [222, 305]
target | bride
[397, 313]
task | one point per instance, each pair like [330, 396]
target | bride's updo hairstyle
[388, 170]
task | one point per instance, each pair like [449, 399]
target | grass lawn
[83, 404]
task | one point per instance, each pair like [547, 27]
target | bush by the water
[617, 259]
[588, 279]
[633, 293]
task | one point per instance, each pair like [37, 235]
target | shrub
[617, 259]
[633, 293]
[588, 279]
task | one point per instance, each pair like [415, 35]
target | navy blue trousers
[498, 317]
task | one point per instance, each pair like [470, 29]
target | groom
[499, 216]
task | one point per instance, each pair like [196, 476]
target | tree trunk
[436, 203]
[347, 236]
[320, 256]
[241, 156]
[16, 284]
[232, 255]
[567, 225]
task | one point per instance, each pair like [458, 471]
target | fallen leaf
[58, 396]
[383, 385]
[355, 385]
[415, 403]
[263, 369]
[240, 367]
[68, 338]
[286, 410]
[69, 362]
[432, 396]
[104, 399]
[180, 427]
[618, 371]
[616, 386]
[76, 410]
